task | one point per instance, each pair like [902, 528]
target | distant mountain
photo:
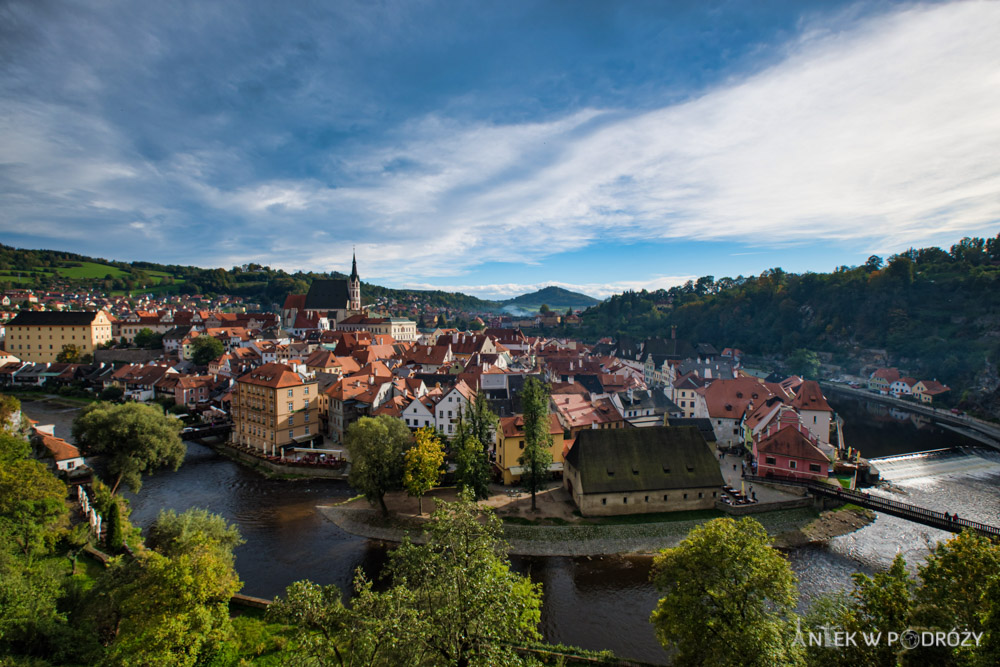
[554, 297]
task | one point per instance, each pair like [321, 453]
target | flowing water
[599, 603]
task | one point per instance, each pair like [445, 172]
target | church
[332, 300]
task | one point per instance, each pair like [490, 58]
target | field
[91, 270]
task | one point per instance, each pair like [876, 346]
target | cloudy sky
[495, 147]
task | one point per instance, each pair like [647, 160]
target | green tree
[33, 511]
[537, 455]
[877, 604]
[144, 338]
[10, 407]
[112, 394]
[544, 309]
[729, 597]
[135, 439]
[422, 470]
[803, 362]
[173, 533]
[162, 610]
[13, 448]
[475, 427]
[70, 354]
[377, 446]
[115, 534]
[205, 349]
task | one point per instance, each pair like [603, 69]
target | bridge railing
[879, 503]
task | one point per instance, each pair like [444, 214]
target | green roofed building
[639, 470]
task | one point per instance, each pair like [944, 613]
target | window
[647, 499]
[291, 435]
[770, 460]
[685, 496]
[291, 406]
[701, 495]
[305, 391]
[604, 501]
[521, 444]
[792, 465]
[625, 500]
[666, 497]
[814, 467]
[289, 393]
[307, 430]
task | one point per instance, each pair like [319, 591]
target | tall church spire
[354, 265]
[354, 285]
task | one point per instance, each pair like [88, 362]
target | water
[599, 603]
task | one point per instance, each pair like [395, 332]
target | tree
[173, 533]
[144, 338]
[877, 604]
[803, 362]
[537, 455]
[173, 610]
[377, 446]
[70, 354]
[477, 426]
[33, 511]
[452, 601]
[135, 439]
[115, 535]
[112, 394]
[10, 408]
[206, 349]
[729, 597]
[544, 309]
[424, 459]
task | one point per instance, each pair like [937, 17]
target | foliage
[70, 354]
[537, 455]
[147, 338]
[377, 446]
[205, 349]
[173, 533]
[452, 601]
[33, 511]
[422, 470]
[729, 597]
[112, 394]
[162, 610]
[13, 448]
[135, 439]
[9, 407]
[113, 521]
[475, 428]
[804, 363]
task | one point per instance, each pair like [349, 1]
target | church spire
[354, 265]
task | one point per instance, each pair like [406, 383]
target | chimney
[673, 332]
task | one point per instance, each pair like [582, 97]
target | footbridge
[906, 511]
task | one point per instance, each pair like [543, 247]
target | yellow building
[39, 336]
[510, 446]
[273, 408]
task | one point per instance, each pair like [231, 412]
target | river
[599, 603]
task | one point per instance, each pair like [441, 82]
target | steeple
[354, 265]
[354, 285]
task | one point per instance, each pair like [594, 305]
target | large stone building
[640, 470]
[40, 336]
[274, 408]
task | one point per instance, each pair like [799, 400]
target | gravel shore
[786, 526]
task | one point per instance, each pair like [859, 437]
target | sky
[498, 147]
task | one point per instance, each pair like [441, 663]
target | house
[813, 409]
[640, 470]
[928, 390]
[902, 387]
[790, 450]
[273, 408]
[645, 407]
[63, 456]
[40, 336]
[882, 378]
[725, 402]
[510, 447]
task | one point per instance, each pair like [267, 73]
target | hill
[556, 298]
[936, 313]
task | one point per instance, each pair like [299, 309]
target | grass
[845, 481]
[91, 270]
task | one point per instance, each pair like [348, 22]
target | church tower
[354, 286]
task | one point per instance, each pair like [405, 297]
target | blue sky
[496, 147]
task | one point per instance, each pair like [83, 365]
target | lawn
[91, 270]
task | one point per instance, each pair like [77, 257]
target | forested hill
[50, 269]
[936, 312]
[556, 298]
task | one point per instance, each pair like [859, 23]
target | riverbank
[272, 469]
[788, 528]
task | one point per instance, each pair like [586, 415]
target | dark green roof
[327, 294]
[54, 318]
[643, 459]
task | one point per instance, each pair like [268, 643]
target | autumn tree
[424, 459]
[70, 354]
[135, 439]
[10, 407]
[377, 446]
[729, 597]
[537, 455]
[206, 349]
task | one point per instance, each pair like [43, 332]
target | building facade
[274, 408]
[40, 336]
